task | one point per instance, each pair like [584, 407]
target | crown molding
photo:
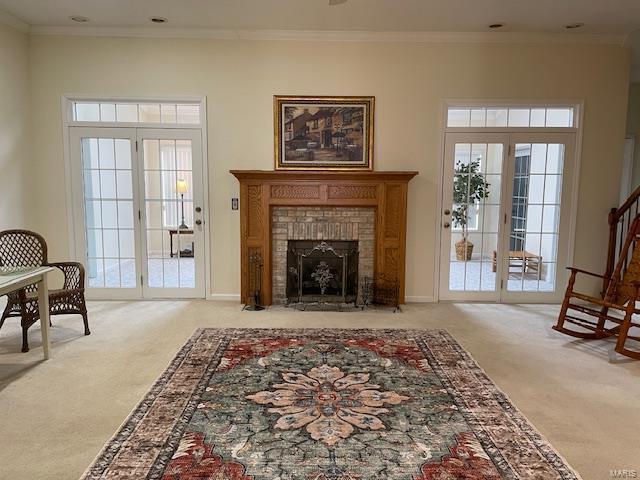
[334, 36]
[15, 22]
[136, 32]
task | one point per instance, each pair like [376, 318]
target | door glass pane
[169, 213]
[188, 113]
[87, 112]
[126, 112]
[475, 213]
[168, 113]
[108, 208]
[535, 217]
[107, 112]
[149, 112]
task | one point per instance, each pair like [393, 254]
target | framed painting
[323, 133]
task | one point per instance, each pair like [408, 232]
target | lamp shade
[181, 186]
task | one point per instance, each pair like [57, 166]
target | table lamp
[182, 188]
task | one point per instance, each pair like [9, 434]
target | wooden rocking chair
[621, 295]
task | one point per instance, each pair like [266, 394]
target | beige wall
[14, 124]
[409, 81]
[633, 128]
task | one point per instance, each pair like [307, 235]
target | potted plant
[469, 188]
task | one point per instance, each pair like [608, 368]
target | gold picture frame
[323, 132]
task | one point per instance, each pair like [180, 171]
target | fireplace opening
[322, 271]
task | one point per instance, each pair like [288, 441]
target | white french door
[138, 211]
[506, 210]
[171, 216]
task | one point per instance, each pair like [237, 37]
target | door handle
[198, 209]
[446, 225]
[447, 212]
[198, 222]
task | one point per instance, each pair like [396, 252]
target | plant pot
[464, 250]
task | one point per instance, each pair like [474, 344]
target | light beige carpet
[56, 415]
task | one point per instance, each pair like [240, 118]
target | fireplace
[322, 271]
[278, 206]
[342, 237]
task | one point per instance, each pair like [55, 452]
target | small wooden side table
[181, 231]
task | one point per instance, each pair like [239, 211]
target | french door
[506, 212]
[138, 211]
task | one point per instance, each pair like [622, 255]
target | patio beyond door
[138, 211]
[505, 216]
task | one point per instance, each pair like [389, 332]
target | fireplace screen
[322, 271]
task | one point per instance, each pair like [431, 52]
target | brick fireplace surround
[342, 195]
[320, 223]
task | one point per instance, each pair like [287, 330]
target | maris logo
[624, 473]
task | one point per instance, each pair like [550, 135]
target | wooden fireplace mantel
[260, 190]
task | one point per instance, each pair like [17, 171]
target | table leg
[43, 310]
[539, 268]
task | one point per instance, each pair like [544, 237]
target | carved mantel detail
[261, 190]
[295, 191]
[352, 191]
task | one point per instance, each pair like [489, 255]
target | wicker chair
[22, 248]
[621, 296]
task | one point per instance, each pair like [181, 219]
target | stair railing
[620, 220]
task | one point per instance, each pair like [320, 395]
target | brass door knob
[447, 225]
[447, 212]
[198, 222]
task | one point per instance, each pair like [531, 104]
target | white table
[16, 281]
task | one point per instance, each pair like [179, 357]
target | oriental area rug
[240, 404]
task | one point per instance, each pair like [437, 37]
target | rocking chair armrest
[73, 274]
[586, 272]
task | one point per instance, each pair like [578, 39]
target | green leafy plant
[469, 188]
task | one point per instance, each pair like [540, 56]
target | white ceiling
[599, 16]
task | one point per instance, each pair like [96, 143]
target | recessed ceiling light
[79, 18]
[158, 20]
[571, 26]
[495, 26]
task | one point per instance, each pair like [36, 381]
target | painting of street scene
[324, 135]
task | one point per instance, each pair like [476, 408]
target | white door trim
[626, 179]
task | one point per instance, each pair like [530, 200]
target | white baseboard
[234, 297]
[419, 299]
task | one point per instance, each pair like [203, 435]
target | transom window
[136, 112]
[524, 117]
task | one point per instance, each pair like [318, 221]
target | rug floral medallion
[326, 405]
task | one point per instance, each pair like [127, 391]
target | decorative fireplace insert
[322, 271]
